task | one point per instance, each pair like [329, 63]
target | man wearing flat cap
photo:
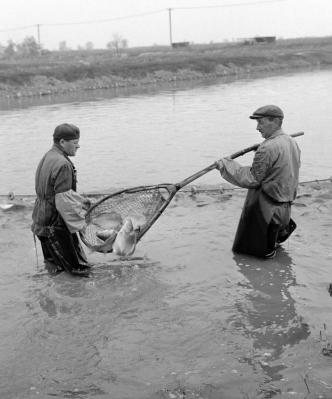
[272, 182]
[59, 210]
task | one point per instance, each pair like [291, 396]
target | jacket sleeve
[261, 163]
[238, 175]
[71, 207]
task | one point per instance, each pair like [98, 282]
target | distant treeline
[30, 48]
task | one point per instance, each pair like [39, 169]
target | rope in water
[222, 189]
[191, 189]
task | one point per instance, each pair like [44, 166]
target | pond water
[166, 136]
[184, 317]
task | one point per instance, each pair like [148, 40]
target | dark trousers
[263, 224]
[277, 234]
[62, 250]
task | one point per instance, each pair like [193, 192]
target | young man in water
[58, 212]
[272, 182]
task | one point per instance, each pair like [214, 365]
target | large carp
[126, 239]
[121, 242]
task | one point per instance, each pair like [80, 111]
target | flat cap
[267, 110]
[66, 131]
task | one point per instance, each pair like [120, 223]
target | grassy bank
[70, 71]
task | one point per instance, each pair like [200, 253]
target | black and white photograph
[166, 199]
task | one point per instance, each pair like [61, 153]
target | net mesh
[140, 206]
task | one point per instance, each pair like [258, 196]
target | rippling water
[184, 317]
[166, 136]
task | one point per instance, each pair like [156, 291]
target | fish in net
[142, 205]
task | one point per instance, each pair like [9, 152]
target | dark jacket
[55, 174]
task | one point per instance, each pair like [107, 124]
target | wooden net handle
[255, 146]
[215, 164]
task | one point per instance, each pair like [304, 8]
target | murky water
[167, 136]
[184, 317]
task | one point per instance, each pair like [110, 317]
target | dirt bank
[74, 71]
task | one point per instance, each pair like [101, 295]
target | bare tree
[63, 46]
[89, 46]
[118, 43]
[29, 47]
[10, 49]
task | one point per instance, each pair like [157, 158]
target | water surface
[184, 317]
[167, 136]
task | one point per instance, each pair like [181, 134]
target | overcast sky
[146, 22]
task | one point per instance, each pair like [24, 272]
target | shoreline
[59, 73]
[43, 86]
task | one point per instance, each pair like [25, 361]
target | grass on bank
[139, 63]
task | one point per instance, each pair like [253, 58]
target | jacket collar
[278, 132]
[57, 148]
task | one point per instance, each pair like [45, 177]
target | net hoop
[143, 204]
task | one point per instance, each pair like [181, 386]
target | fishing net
[142, 205]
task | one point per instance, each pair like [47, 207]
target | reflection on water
[76, 336]
[184, 317]
[269, 315]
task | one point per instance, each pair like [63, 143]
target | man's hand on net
[220, 165]
[87, 204]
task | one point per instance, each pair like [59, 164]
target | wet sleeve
[261, 164]
[238, 175]
[71, 207]
[63, 179]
